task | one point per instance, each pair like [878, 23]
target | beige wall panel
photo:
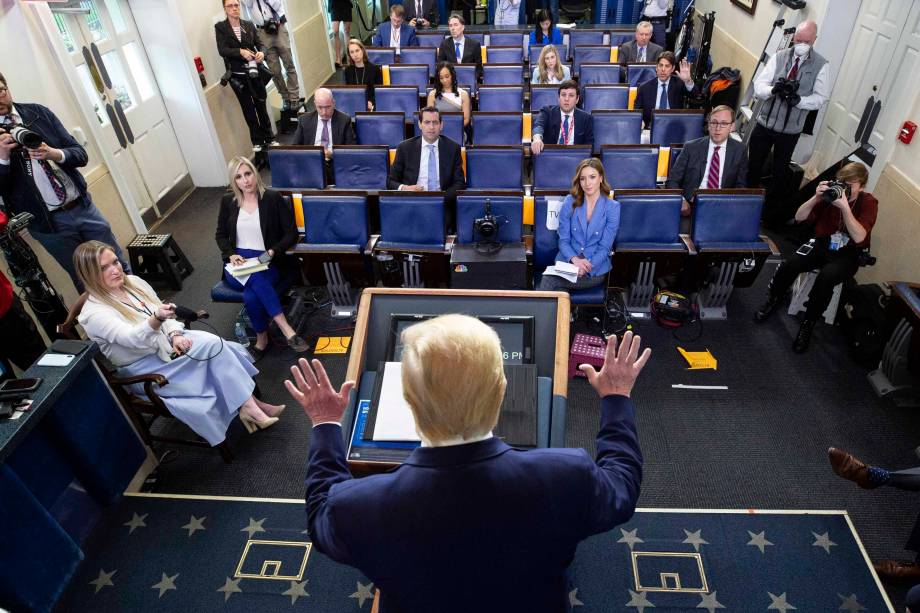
[894, 237]
[312, 44]
[228, 121]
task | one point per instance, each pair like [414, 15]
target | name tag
[838, 240]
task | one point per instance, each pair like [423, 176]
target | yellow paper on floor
[698, 360]
[332, 344]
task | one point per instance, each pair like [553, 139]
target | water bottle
[241, 337]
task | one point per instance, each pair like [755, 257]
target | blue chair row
[614, 37]
[354, 167]
[390, 128]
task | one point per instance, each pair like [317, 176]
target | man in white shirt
[562, 124]
[395, 33]
[458, 49]
[269, 17]
[641, 49]
[325, 127]
[656, 13]
[507, 12]
[793, 83]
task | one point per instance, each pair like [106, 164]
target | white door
[881, 61]
[103, 44]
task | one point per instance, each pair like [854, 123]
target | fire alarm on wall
[907, 132]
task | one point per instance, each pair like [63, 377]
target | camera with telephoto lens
[271, 27]
[786, 89]
[253, 72]
[836, 190]
[23, 136]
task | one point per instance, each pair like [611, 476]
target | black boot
[803, 338]
[767, 308]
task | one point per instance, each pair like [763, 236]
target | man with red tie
[563, 123]
[711, 162]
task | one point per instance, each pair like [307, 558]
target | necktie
[459, 55]
[663, 97]
[564, 135]
[642, 54]
[56, 183]
[418, 8]
[795, 70]
[324, 137]
[433, 183]
[712, 180]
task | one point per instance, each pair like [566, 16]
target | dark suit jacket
[690, 166]
[405, 168]
[16, 185]
[276, 217]
[340, 129]
[500, 521]
[472, 52]
[370, 76]
[647, 97]
[429, 11]
[629, 49]
[228, 46]
[407, 36]
[549, 122]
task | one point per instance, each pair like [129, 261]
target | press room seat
[555, 167]
[504, 55]
[585, 37]
[676, 126]
[508, 209]
[599, 73]
[508, 98]
[451, 126]
[412, 232]
[378, 128]
[606, 98]
[543, 95]
[350, 99]
[467, 77]
[381, 56]
[639, 73]
[295, 167]
[506, 39]
[413, 75]
[502, 74]
[617, 128]
[397, 99]
[494, 167]
[631, 166]
[497, 128]
[419, 55]
[360, 167]
[595, 54]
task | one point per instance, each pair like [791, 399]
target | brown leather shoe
[848, 467]
[893, 571]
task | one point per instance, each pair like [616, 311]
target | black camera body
[271, 26]
[835, 190]
[486, 227]
[23, 136]
[786, 89]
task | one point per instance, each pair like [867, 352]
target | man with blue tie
[641, 49]
[563, 124]
[395, 33]
[458, 49]
[668, 91]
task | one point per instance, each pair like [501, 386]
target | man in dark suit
[668, 91]
[563, 124]
[422, 13]
[42, 179]
[641, 49]
[504, 522]
[325, 127]
[395, 32]
[711, 162]
[459, 46]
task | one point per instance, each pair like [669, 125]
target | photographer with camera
[239, 44]
[39, 175]
[843, 215]
[268, 15]
[22, 344]
[794, 82]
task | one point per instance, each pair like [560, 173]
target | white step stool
[800, 290]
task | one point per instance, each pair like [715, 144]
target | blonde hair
[854, 171]
[578, 194]
[542, 76]
[453, 377]
[87, 260]
[234, 167]
[358, 43]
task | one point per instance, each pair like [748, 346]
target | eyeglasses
[720, 124]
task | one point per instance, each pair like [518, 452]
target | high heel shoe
[251, 425]
[278, 412]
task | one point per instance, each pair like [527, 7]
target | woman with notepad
[257, 223]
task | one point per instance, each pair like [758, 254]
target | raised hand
[621, 368]
[313, 391]
[684, 71]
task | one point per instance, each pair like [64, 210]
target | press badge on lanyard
[838, 240]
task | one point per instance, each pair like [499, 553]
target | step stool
[157, 258]
[800, 290]
[586, 349]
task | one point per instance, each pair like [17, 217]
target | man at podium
[468, 523]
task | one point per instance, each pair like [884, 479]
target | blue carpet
[190, 554]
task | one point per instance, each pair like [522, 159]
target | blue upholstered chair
[505, 39]
[546, 246]
[617, 128]
[676, 126]
[631, 166]
[466, 77]
[360, 167]
[430, 39]
[637, 74]
[350, 99]
[507, 208]
[555, 166]
[494, 167]
[418, 55]
[599, 73]
[543, 95]
[585, 37]
[380, 128]
[606, 97]
[497, 128]
[618, 37]
[508, 98]
[595, 54]
[479, 37]
[502, 74]
[412, 232]
[397, 99]
[504, 55]
[415, 75]
[673, 153]
[451, 126]
[533, 53]
[297, 167]
[382, 56]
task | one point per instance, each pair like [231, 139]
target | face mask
[802, 49]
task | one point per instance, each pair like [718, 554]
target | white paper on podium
[394, 417]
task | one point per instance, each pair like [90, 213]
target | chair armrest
[449, 241]
[153, 378]
[691, 248]
[371, 244]
[774, 250]
[528, 244]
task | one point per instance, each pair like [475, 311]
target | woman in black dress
[340, 11]
[361, 71]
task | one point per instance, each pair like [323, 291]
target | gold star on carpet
[104, 579]
[231, 587]
[254, 526]
[364, 592]
[573, 599]
[165, 584]
[194, 524]
[137, 521]
[297, 590]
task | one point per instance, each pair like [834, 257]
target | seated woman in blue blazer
[545, 31]
[588, 224]
[252, 221]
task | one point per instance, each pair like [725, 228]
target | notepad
[394, 417]
[241, 273]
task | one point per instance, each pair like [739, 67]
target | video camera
[836, 190]
[23, 136]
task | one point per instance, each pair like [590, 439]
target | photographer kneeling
[843, 215]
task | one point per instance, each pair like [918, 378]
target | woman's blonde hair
[854, 172]
[355, 41]
[87, 260]
[542, 76]
[234, 167]
[453, 376]
[578, 194]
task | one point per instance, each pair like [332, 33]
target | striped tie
[712, 179]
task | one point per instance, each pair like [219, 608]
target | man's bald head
[324, 103]
[806, 32]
